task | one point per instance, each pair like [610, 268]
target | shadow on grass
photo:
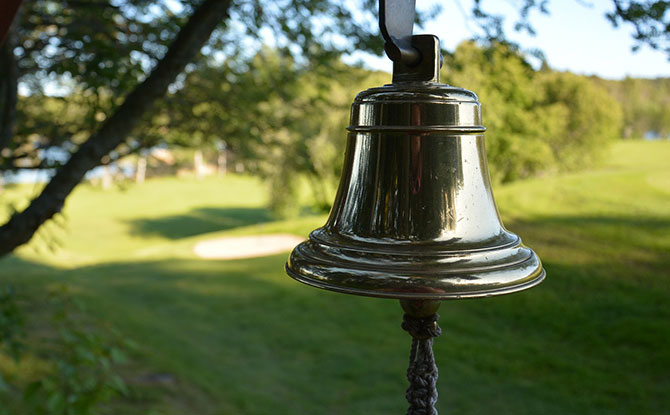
[199, 221]
[592, 339]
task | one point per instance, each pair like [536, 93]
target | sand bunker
[246, 246]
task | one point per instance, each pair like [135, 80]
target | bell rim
[509, 289]
[516, 268]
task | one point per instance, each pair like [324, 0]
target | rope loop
[421, 328]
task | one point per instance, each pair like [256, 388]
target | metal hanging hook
[396, 22]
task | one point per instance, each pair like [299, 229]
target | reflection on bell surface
[414, 216]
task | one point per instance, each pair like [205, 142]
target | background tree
[650, 18]
[537, 121]
[590, 118]
[107, 47]
[119, 58]
[282, 120]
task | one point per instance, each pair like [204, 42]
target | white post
[198, 164]
[107, 178]
[222, 162]
[141, 170]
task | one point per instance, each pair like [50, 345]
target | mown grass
[239, 337]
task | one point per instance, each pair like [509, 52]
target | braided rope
[422, 371]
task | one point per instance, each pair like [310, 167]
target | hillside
[240, 337]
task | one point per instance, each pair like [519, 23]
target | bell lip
[335, 272]
[509, 289]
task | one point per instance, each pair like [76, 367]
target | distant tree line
[645, 104]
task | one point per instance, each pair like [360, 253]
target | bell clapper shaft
[420, 321]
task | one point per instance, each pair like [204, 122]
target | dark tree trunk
[9, 76]
[8, 10]
[22, 226]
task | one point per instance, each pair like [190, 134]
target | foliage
[11, 324]
[101, 45]
[286, 122]
[93, 51]
[308, 30]
[308, 139]
[505, 85]
[591, 118]
[48, 129]
[106, 49]
[649, 18]
[283, 121]
[101, 50]
[536, 121]
[82, 363]
[96, 52]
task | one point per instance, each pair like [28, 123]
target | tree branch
[22, 226]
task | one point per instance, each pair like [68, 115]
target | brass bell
[414, 217]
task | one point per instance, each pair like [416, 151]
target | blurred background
[137, 138]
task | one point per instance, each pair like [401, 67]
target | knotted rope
[422, 371]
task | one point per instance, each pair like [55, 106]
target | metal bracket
[428, 67]
[396, 22]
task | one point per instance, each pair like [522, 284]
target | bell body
[414, 216]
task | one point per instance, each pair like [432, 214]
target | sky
[576, 36]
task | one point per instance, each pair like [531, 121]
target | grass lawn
[240, 337]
